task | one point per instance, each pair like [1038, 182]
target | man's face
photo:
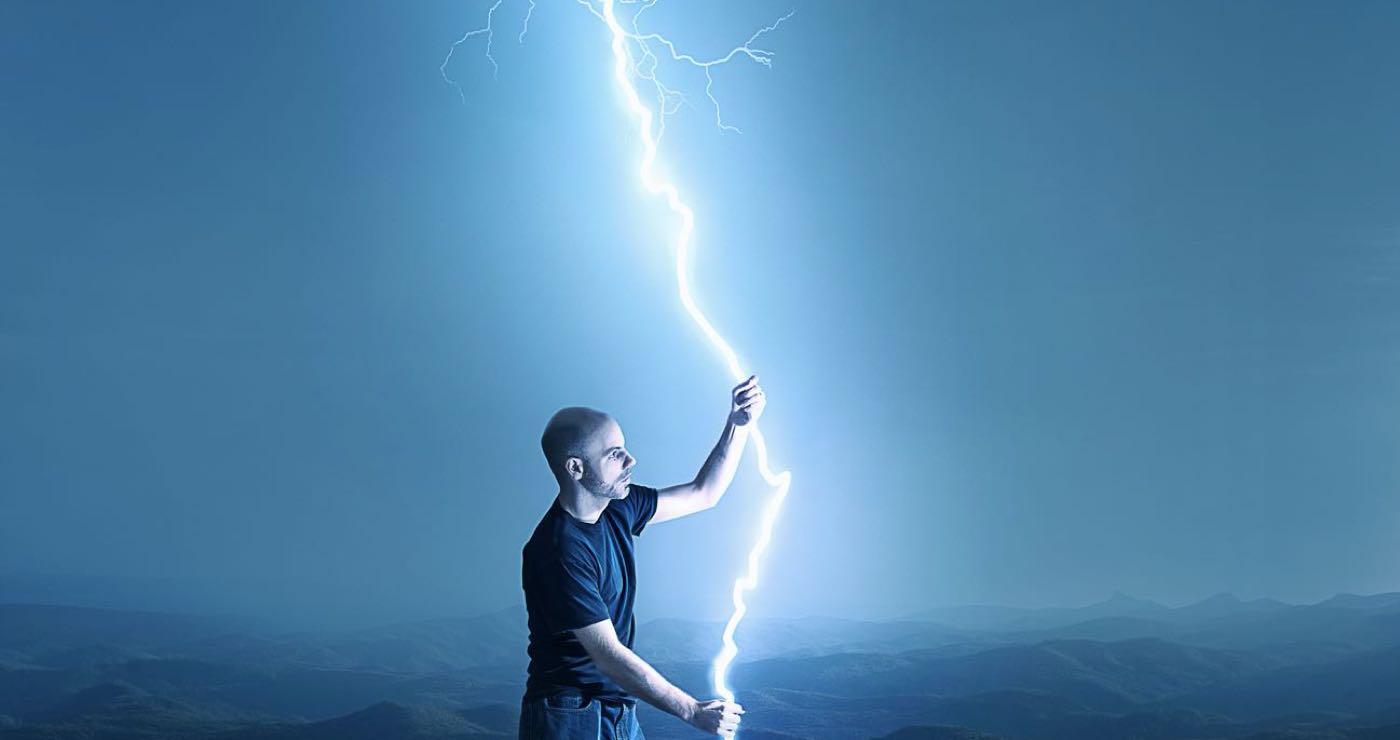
[608, 470]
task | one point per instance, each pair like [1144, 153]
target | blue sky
[1049, 301]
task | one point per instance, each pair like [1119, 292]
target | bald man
[580, 579]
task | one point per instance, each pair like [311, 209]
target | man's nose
[630, 461]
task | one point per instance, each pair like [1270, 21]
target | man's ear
[574, 467]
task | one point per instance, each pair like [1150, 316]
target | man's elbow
[603, 648]
[613, 665]
[710, 495]
[606, 659]
[701, 496]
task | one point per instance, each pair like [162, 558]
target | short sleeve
[569, 593]
[642, 508]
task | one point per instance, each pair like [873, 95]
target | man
[580, 579]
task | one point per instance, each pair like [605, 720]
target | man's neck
[582, 505]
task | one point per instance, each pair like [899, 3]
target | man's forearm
[719, 468]
[641, 680]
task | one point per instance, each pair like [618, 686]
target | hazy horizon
[195, 599]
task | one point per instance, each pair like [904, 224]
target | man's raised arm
[629, 671]
[746, 404]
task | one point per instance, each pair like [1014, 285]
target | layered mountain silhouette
[1121, 668]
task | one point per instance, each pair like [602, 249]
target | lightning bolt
[651, 129]
[780, 482]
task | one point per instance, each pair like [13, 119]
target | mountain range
[1121, 668]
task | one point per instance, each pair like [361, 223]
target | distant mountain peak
[1214, 603]
[1360, 601]
[1119, 598]
[1224, 597]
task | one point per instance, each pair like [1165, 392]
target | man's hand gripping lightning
[652, 127]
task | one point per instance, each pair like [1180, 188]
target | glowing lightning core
[652, 128]
[779, 481]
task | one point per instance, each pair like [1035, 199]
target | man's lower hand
[716, 717]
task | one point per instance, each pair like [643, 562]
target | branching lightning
[490, 32]
[652, 127]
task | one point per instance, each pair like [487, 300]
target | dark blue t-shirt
[576, 574]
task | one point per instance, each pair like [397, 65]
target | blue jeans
[570, 716]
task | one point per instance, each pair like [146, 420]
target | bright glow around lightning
[779, 481]
[652, 127]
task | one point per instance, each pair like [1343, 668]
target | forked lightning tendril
[652, 126]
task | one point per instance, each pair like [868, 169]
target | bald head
[575, 431]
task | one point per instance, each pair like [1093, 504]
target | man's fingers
[750, 393]
[729, 718]
[753, 380]
[760, 398]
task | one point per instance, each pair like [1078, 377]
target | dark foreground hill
[383, 720]
[936, 733]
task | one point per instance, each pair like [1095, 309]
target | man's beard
[594, 485]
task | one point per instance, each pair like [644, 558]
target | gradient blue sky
[1049, 301]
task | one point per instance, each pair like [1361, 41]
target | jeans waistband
[577, 699]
